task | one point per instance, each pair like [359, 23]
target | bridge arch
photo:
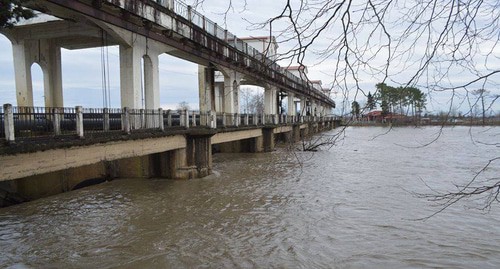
[37, 78]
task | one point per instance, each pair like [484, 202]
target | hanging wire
[107, 64]
[105, 84]
[103, 72]
[142, 83]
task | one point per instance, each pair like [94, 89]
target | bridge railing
[36, 122]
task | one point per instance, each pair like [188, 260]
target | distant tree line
[403, 100]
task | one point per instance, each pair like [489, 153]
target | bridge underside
[144, 30]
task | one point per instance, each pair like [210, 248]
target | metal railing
[33, 122]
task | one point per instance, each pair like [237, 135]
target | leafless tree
[183, 106]
[448, 47]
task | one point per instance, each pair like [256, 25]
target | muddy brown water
[350, 206]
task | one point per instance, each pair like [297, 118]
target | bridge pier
[268, 139]
[296, 133]
[199, 154]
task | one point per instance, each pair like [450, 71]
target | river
[350, 206]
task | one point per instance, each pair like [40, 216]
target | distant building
[377, 116]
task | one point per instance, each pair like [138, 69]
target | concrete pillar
[314, 108]
[231, 92]
[219, 96]
[22, 70]
[199, 154]
[296, 133]
[50, 61]
[177, 163]
[268, 139]
[130, 77]
[271, 100]
[206, 83]
[257, 144]
[47, 54]
[303, 106]
[151, 81]
[291, 104]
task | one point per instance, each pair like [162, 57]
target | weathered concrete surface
[34, 187]
[234, 136]
[283, 129]
[29, 164]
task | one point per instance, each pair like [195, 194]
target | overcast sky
[82, 71]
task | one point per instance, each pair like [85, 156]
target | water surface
[350, 206]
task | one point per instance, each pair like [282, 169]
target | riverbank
[437, 123]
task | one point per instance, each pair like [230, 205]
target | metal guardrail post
[9, 123]
[193, 119]
[236, 119]
[126, 120]
[56, 120]
[263, 119]
[223, 119]
[79, 121]
[247, 119]
[161, 124]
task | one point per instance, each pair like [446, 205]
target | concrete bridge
[52, 149]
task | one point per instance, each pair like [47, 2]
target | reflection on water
[348, 207]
